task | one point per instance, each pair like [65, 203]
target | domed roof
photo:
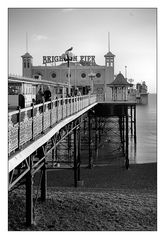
[27, 55]
[119, 81]
[109, 54]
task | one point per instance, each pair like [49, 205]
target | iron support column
[96, 137]
[131, 122]
[120, 127]
[53, 156]
[84, 126]
[135, 124]
[43, 182]
[69, 146]
[127, 140]
[75, 157]
[99, 130]
[29, 195]
[79, 148]
[123, 134]
[56, 153]
[89, 142]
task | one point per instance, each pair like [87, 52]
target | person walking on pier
[47, 95]
[39, 97]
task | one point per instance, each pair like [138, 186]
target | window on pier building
[98, 75]
[53, 75]
[14, 88]
[108, 62]
[68, 75]
[83, 75]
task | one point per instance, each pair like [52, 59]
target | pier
[51, 135]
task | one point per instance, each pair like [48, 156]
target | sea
[145, 150]
[146, 127]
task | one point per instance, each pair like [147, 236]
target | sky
[133, 35]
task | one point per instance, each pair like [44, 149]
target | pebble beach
[111, 199]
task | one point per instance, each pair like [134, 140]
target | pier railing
[26, 124]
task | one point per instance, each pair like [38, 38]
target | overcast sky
[52, 31]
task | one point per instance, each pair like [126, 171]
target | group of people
[75, 92]
[43, 96]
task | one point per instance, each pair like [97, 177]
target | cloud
[39, 37]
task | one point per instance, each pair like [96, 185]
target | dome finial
[108, 42]
[26, 42]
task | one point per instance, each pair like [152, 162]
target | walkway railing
[26, 124]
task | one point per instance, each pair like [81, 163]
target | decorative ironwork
[23, 126]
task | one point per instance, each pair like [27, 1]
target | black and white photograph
[82, 119]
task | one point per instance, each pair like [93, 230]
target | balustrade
[26, 124]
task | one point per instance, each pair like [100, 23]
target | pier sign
[51, 59]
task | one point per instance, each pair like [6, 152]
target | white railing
[26, 124]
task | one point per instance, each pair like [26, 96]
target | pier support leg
[43, 183]
[69, 146]
[135, 124]
[99, 129]
[84, 126]
[120, 127]
[79, 149]
[89, 142]
[56, 153]
[127, 140]
[53, 156]
[29, 196]
[96, 138]
[123, 134]
[131, 122]
[75, 157]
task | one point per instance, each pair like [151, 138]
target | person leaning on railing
[47, 95]
[39, 97]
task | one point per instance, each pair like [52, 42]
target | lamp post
[68, 56]
[130, 80]
[131, 84]
[92, 76]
